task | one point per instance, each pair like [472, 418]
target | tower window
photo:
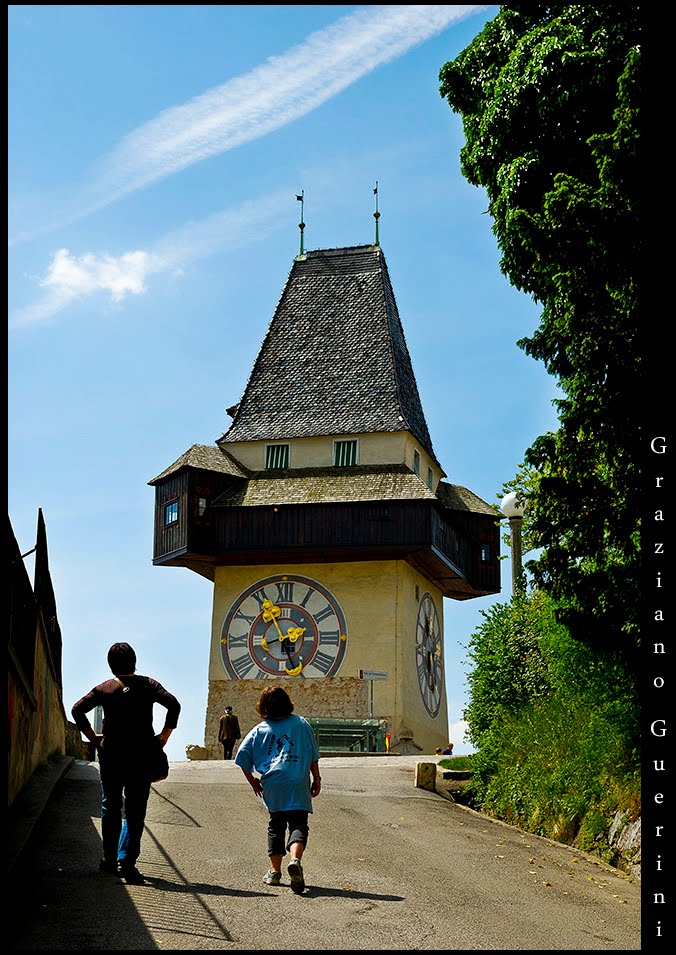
[170, 513]
[430, 478]
[345, 453]
[416, 462]
[486, 552]
[277, 456]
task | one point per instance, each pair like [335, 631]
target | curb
[28, 805]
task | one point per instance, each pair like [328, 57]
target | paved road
[388, 867]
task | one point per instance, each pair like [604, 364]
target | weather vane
[301, 224]
[376, 214]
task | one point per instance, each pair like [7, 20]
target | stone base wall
[337, 698]
[37, 720]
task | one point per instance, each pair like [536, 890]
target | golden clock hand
[270, 614]
[291, 670]
[293, 633]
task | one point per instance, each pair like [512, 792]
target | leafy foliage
[549, 102]
[555, 722]
[522, 655]
[556, 766]
[509, 670]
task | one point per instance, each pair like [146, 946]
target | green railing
[349, 736]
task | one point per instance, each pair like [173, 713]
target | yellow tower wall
[380, 601]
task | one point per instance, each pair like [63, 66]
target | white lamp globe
[510, 508]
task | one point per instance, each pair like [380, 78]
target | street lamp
[514, 511]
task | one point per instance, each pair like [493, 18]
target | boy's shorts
[295, 820]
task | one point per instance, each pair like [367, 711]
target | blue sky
[155, 153]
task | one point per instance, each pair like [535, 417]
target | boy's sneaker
[295, 870]
[272, 878]
[131, 875]
[108, 865]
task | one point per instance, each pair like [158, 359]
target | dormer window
[416, 462]
[276, 456]
[345, 453]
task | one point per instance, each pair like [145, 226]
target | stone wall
[340, 697]
[624, 836]
[37, 720]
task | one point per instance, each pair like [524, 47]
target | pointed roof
[334, 359]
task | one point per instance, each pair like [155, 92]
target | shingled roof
[334, 360]
[326, 486]
[375, 482]
[207, 457]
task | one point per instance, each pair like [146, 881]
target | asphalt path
[388, 867]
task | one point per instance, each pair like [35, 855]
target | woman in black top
[127, 701]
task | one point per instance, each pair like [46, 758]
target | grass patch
[558, 768]
[456, 762]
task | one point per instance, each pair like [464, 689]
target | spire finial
[301, 224]
[376, 214]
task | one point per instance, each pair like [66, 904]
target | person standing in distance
[283, 749]
[127, 701]
[228, 732]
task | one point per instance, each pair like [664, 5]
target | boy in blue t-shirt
[283, 749]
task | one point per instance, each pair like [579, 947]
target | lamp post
[514, 512]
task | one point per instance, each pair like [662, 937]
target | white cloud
[73, 277]
[69, 277]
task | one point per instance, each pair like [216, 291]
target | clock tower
[323, 518]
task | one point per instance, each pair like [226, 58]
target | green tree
[555, 722]
[549, 102]
[509, 670]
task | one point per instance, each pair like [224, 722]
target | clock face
[428, 654]
[282, 626]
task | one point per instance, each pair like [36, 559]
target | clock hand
[270, 614]
[292, 670]
[293, 633]
[264, 642]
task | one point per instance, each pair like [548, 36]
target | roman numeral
[285, 591]
[330, 636]
[421, 672]
[260, 596]
[242, 665]
[326, 612]
[243, 616]
[238, 641]
[322, 661]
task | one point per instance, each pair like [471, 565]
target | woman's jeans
[124, 787]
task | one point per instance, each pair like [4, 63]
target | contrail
[280, 90]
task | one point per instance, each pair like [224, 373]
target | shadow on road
[314, 891]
